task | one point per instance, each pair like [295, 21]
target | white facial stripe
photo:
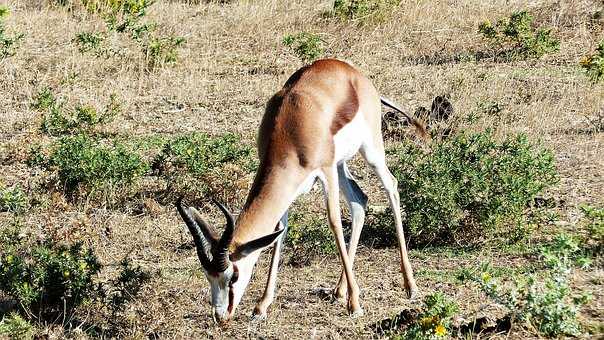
[226, 295]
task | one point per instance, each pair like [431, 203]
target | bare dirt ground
[232, 62]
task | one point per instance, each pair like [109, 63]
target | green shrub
[58, 121]
[434, 321]
[126, 17]
[470, 188]
[162, 50]
[593, 65]
[44, 100]
[198, 153]
[8, 43]
[595, 226]
[122, 15]
[307, 46]
[13, 200]
[379, 230]
[14, 326]
[50, 280]
[89, 41]
[121, 290]
[515, 37]
[83, 161]
[308, 237]
[363, 10]
[548, 307]
[203, 165]
[47, 279]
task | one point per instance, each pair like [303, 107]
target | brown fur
[296, 137]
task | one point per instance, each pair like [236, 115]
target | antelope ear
[251, 246]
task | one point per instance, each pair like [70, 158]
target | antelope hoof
[412, 292]
[258, 315]
[341, 300]
[338, 295]
[357, 313]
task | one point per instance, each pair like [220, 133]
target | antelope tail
[419, 126]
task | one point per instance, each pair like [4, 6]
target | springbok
[323, 115]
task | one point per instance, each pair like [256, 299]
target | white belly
[350, 138]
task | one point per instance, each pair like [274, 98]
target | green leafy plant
[516, 38]
[363, 10]
[50, 280]
[564, 251]
[161, 50]
[121, 290]
[547, 305]
[58, 121]
[90, 41]
[126, 17]
[199, 153]
[308, 237]
[595, 226]
[14, 326]
[44, 100]
[307, 46]
[593, 65]
[83, 161]
[47, 279]
[470, 187]
[13, 200]
[8, 43]
[213, 163]
[434, 322]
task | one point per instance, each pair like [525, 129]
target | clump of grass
[471, 188]
[306, 46]
[58, 121]
[13, 200]
[547, 304]
[435, 319]
[379, 230]
[13, 326]
[90, 42]
[126, 17]
[363, 10]
[47, 279]
[162, 50]
[125, 287]
[8, 43]
[50, 280]
[82, 161]
[309, 237]
[212, 164]
[594, 223]
[593, 65]
[517, 38]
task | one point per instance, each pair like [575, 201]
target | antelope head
[228, 268]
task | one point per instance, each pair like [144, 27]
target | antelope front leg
[271, 283]
[335, 222]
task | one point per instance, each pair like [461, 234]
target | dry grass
[231, 64]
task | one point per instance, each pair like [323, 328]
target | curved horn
[206, 229]
[222, 251]
[200, 242]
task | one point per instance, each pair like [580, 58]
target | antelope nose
[220, 316]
